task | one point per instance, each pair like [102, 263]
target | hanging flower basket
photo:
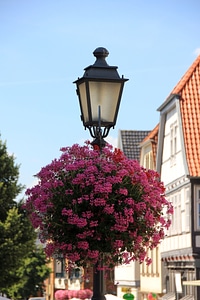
[88, 205]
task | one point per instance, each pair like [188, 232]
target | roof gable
[189, 90]
[152, 137]
[192, 75]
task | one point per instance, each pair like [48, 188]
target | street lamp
[99, 92]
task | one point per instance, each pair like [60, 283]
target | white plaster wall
[151, 284]
[171, 170]
[176, 242]
[126, 277]
[171, 173]
[127, 272]
[151, 276]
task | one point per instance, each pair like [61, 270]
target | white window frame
[176, 227]
[187, 210]
[173, 142]
[148, 160]
[148, 157]
[198, 207]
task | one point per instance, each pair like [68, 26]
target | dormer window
[148, 160]
[147, 157]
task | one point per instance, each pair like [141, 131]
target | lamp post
[99, 92]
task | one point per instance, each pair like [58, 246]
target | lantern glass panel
[105, 95]
[83, 100]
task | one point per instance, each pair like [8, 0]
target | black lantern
[99, 91]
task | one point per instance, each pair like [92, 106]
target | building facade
[178, 162]
[151, 277]
[173, 149]
[127, 277]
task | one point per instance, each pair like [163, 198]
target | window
[147, 157]
[187, 209]
[60, 268]
[176, 227]
[148, 160]
[152, 269]
[75, 273]
[173, 142]
[198, 206]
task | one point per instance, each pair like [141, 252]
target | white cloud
[112, 141]
[109, 139]
[197, 51]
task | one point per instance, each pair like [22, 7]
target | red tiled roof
[189, 90]
[152, 134]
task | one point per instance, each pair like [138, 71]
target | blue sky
[44, 47]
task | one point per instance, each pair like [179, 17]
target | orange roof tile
[189, 90]
[152, 134]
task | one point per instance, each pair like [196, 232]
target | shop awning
[112, 297]
[168, 296]
[192, 282]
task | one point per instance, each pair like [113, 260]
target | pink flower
[82, 294]
[93, 254]
[99, 202]
[123, 191]
[87, 204]
[62, 295]
[94, 223]
[74, 293]
[89, 293]
[109, 209]
[83, 245]
[118, 244]
[67, 212]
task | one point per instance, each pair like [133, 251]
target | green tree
[14, 245]
[9, 187]
[17, 236]
[31, 276]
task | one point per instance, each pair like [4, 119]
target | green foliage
[9, 187]
[17, 241]
[22, 265]
[30, 276]
[11, 247]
